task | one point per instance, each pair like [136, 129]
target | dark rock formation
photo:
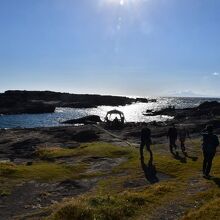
[22, 143]
[204, 110]
[78, 105]
[27, 108]
[17, 102]
[25, 148]
[85, 136]
[144, 100]
[166, 111]
[208, 108]
[91, 119]
[208, 105]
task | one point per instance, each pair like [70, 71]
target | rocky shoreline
[205, 109]
[193, 119]
[21, 143]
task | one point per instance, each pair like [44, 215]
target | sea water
[133, 113]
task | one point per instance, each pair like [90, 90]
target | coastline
[49, 168]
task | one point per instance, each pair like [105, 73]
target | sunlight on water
[133, 113]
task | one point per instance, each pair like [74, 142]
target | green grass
[110, 199]
[210, 210]
[11, 174]
[112, 206]
[40, 171]
[45, 171]
[95, 149]
[54, 152]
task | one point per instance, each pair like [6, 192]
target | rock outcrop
[18, 102]
[205, 109]
[91, 119]
[13, 106]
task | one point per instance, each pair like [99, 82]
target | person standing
[209, 145]
[145, 141]
[172, 135]
[149, 169]
[183, 133]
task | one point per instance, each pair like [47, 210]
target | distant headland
[36, 102]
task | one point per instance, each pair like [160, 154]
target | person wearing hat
[209, 145]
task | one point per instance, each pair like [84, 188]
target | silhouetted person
[172, 135]
[122, 120]
[183, 133]
[115, 122]
[145, 141]
[209, 145]
[149, 169]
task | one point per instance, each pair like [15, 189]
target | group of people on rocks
[210, 142]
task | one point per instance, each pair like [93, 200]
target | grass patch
[12, 174]
[40, 171]
[4, 191]
[207, 211]
[112, 206]
[110, 199]
[95, 149]
[115, 202]
[53, 153]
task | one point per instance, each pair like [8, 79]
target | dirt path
[117, 137]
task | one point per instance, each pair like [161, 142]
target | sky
[118, 47]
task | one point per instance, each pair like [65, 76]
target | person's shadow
[216, 180]
[150, 169]
[178, 157]
[191, 157]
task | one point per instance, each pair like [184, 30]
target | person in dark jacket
[209, 145]
[149, 169]
[183, 133]
[145, 141]
[172, 135]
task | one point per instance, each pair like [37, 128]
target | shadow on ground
[216, 180]
[149, 169]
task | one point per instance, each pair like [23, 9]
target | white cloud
[215, 74]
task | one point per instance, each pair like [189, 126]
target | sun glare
[122, 2]
[119, 2]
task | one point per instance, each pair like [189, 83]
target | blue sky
[120, 47]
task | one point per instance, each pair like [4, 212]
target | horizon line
[119, 95]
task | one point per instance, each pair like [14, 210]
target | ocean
[133, 113]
